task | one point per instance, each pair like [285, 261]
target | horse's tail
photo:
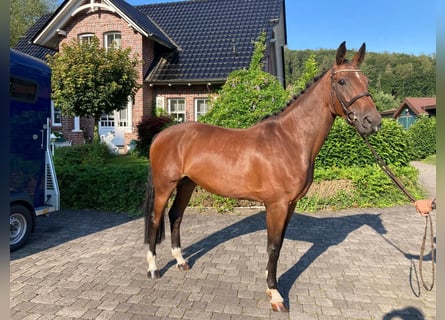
[149, 212]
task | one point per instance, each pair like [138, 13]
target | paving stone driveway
[353, 264]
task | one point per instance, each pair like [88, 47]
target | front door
[118, 122]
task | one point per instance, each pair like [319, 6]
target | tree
[23, 14]
[248, 94]
[384, 101]
[88, 80]
[309, 72]
[396, 74]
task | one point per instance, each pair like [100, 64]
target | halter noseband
[346, 104]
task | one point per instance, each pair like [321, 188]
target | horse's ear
[360, 55]
[341, 53]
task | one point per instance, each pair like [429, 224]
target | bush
[95, 154]
[422, 138]
[91, 178]
[248, 95]
[104, 188]
[147, 129]
[345, 148]
[368, 187]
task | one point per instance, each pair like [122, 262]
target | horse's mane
[296, 96]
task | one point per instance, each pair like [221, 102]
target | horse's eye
[341, 82]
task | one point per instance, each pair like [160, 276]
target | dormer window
[112, 40]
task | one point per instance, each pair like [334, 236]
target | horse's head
[350, 97]
[374, 221]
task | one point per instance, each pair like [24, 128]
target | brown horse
[271, 162]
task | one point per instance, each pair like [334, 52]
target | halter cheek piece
[350, 115]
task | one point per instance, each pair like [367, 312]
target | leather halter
[347, 104]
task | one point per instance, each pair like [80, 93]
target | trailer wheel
[20, 226]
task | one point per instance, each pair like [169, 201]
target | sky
[402, 26]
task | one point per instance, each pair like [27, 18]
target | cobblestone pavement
[353, 264]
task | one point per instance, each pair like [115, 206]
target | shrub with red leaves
[147, 129]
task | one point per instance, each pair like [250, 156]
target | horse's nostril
[370, 123]
[367, 122]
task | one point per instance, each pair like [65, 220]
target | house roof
[48, 35]
[197, 40]
[25, 45]
[214, 37]
[144, 22]
[417, 105]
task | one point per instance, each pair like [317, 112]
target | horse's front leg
[184, 191]
[278, 217]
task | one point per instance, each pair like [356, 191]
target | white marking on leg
[275, 296]
[177, 254]
[151, 259]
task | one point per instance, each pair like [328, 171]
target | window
[112, 40]
[176, 108]
[123, 118]
[201, 107]
[24, 90]
[107, 120]
[56, 115]
[160, 110]
[86, 38]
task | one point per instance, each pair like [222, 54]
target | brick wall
[187, 92]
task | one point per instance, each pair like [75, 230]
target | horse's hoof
[279, 307]
[154, 274]
[183, 266]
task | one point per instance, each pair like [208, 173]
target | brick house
[188, 49]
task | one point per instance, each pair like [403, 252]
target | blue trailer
[33, 183]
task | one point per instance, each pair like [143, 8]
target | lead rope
[399, 184]
[433, 255]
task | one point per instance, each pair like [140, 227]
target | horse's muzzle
[368, 124]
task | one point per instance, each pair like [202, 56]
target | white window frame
[123, 118]
[85, 37]
[116, 43]
[107, 120]
[177, 113]
[160, 105]
[54, 112]
[118, 118]
[198, 114]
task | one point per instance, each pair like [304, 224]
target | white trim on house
[119, 123]
[93, 6]
[177, 108]
[197, 113]
[49, 36]
[53, 116]
[76, 124]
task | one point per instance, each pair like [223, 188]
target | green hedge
[106, 182]
[94, 154]
[422, 138]
[345, 148]
[370, 188]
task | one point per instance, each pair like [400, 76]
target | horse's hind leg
[184, 191]
[155, 229]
